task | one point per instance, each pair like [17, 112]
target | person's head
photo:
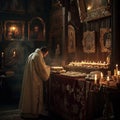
[44, 51]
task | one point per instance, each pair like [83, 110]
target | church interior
[83, 41]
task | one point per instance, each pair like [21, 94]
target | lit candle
[108, 78]
[14, 53]
[95, 79]
[2, 54]
[101, 75]
[116, 69]
[116, 66]
[118, 73]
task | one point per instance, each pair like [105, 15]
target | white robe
[36, 71]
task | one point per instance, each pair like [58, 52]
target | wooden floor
[10, 111]
[15, 115]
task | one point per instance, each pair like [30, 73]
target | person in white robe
[35, 73]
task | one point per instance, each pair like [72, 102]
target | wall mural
[89, 41]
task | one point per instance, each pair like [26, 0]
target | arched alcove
[36, 29]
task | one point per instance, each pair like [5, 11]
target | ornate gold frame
[93, 9]
[14, 30]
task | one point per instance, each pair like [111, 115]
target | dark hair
[44, 49]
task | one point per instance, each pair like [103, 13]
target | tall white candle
[108, 78]
[2, 54]
[116, 66]
[117, 69]
[95, 79]
[14, 53]
[118, 73]
[101, 75]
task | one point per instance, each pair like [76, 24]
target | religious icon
[14, 30]
[36, 30]
[71, 39]
[105, 39]
[89, 41]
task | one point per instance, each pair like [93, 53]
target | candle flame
[14, 53]
[2, 54]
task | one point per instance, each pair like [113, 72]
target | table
[68, 96]
[112, 102]
[75, 98]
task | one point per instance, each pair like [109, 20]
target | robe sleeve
[41, 68]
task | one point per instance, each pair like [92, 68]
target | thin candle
[108, 78]
[116, 69]
[101, 75]
[2, 54]
[95, 79]
[116, 66]
[14, 53]
[118, 73]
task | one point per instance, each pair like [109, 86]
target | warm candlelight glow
[13, 28]
[116, 69]
[108, 78]
[89, 7]
[118, 72]
[14, 53]
[101, 75]
[116, 66]
[89, 64]
[95, 79]
[2, 54]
